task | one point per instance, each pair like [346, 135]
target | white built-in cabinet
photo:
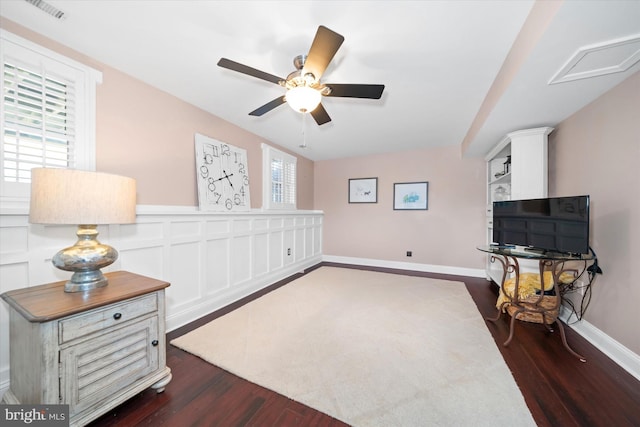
[517, 168]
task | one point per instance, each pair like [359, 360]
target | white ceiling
[437, 59]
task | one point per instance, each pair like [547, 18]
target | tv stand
[541, 308]
[535, 250]
[554, 254]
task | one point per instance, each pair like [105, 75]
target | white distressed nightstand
[90, 350]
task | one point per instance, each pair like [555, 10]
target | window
[279, 179]
[48, 114]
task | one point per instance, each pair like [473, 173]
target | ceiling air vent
[47, 8]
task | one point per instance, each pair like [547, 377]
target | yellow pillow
[529, 284]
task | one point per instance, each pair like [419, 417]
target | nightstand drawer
[100, 319]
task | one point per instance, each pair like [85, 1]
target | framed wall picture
[363, 190]
[411, 196]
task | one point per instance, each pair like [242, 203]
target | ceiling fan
[304, 89]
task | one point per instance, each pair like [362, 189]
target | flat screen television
[557, 224]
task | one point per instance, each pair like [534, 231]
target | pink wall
[596, 151]
[147, 134]
[446, 234]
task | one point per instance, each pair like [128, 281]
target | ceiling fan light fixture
[304, 88]
[303, 99]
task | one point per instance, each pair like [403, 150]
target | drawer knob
[117, 316]
[154, 343]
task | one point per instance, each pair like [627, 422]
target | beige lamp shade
[70, 196]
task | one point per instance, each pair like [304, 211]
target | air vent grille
[47, 8]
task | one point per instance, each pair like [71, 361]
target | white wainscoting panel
[216, 260]
[210, 259]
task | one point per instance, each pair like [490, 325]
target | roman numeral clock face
[223, 177]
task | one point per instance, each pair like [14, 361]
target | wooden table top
[49, 302]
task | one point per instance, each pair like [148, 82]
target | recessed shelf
[502, 179]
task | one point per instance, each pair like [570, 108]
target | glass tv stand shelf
[543, 307]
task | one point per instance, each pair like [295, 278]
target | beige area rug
[371, 349]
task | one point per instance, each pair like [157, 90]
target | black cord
[570, 287]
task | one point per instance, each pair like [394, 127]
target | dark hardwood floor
[558, 388]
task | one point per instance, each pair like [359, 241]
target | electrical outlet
[288, 251]
[409, 253]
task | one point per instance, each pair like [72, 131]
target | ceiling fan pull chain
[304, 134]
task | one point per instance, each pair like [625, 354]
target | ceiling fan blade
[268, 106]
[324, 47]
[320, 115]
[355, 90]
[244, 69]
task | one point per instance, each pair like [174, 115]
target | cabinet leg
[160, 385]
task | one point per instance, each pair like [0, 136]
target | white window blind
[39, 122]
[279, 179]
[47, 118]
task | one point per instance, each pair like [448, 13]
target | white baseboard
[627, 359]
[399, 265]
[621, 355]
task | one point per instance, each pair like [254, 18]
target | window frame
[29, 54]
[269, 155]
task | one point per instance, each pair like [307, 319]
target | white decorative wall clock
[222, 174]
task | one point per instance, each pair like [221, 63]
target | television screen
[558, 224]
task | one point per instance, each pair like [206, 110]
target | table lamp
[86, 199]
